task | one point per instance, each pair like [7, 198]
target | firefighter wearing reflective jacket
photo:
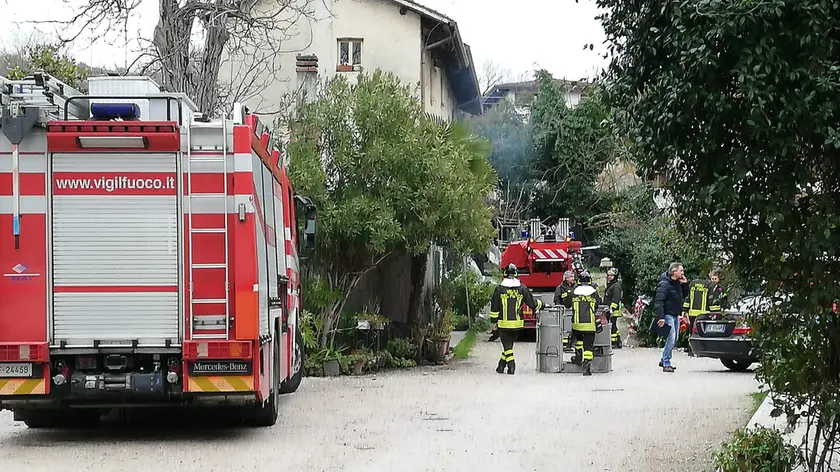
[612, 298]
[584, 301]
[506, 314]
[704, 297]
[564, 291]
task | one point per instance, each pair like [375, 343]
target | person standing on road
[612, 298]
[506, 314]
[704, 297]
[718, 299]
[697, 303]
[563, 292]
[668, 302]
[565, 289]
[584, 301]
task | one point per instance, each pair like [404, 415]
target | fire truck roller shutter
[115, 248]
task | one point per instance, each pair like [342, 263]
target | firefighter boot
[511, 365]
[501, 368]
[577, 358]
[617, 342]
[587, 368]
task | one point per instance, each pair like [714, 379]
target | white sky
[519, 35]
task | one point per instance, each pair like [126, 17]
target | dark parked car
[726, 335]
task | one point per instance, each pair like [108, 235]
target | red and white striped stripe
[550, 254]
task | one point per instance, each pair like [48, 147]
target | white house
[521, 94]
[421, 46]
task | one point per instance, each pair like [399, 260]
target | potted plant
[440, 332]
[358, 359]
[371, 321]
[331, 364]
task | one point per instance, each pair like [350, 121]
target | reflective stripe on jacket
[584, 302]
[507, 302]
[612, 295]
[697, 302]
[562, 292]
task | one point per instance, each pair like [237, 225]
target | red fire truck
[541, 263]
[149, 255]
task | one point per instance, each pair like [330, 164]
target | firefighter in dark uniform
[564, 291]
[718, 299]
[612, 298]
[506, 314]
[699, 302]
[584, 301]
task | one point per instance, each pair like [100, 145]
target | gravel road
[453, 418]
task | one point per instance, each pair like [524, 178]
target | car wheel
[736, 365]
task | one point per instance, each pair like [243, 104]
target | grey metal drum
[550, 340]
[603, 353]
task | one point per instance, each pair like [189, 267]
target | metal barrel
[550, 340]
[603, 351]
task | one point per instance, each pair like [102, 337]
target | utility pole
[467, 293]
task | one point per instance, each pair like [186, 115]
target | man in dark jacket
[668, 302]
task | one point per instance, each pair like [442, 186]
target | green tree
[642, 240]
[387, 179]
[736, 103]
[47, 58]
[572, 147]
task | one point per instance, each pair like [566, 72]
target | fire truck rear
[149, 255]
[541, 262]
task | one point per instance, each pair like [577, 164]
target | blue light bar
[111, 111]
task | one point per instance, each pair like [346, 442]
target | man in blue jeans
[670, 293]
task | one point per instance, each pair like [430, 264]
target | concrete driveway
[459, 417]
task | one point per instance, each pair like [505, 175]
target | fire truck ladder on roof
[32, 101]
[44, 93]
[216, 321]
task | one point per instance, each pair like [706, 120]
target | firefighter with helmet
[612, 298]
[564, 291]
[584, 302]
[506, 314]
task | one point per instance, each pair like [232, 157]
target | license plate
[715, 328]
[16, 370]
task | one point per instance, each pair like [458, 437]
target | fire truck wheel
[291, 385]
[266, 414]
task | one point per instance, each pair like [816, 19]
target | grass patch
[463, 349]
[757, 399]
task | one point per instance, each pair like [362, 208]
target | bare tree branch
[194, 39]
[492, 74]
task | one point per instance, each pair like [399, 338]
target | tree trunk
[346, 284]
[172, 41]
[415, 299]
[207, 90]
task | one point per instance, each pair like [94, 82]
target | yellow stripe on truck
[221, 384]
[23, 386]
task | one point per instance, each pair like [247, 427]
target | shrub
[454, 291]
[757, 450]
[401, 348]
